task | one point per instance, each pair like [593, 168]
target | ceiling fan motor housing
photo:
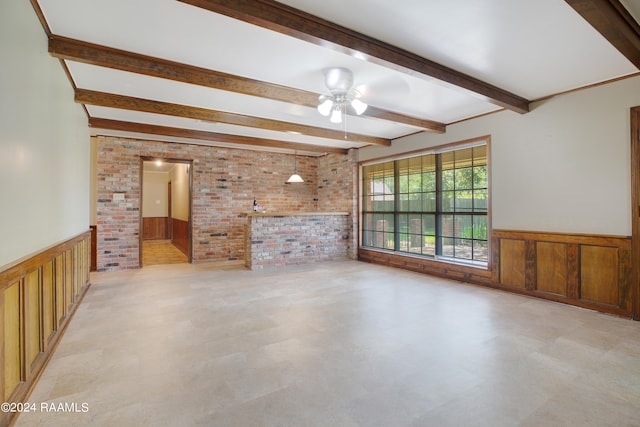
[338, 80]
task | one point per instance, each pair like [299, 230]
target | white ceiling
[532, 49]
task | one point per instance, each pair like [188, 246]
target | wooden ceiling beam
[295, 23]
[614, 22]
[123, 126]
[88, 53]
[103, 99]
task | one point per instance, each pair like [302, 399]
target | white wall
[180, 190]
[563, 167]
[44, 142]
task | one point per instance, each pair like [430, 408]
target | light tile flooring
[334, 344]
[156, 252]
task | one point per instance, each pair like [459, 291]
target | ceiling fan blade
[385, 92]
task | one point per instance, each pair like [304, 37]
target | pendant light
[295, 178]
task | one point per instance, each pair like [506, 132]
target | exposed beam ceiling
[293, 22]
[208, 136]
[88, 97]
[75, 50]
[614, 22]
[250, 73]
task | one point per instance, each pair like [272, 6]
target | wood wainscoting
[155, 228]
[181, 235]
[94, 247]
[38, 296]
[589, 271]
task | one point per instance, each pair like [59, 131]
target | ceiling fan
[339, 81]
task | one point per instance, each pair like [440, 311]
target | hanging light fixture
[295, 178]
[339, 81]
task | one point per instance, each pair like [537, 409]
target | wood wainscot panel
[551, 268]
[79, 268]
[155, 228]
[599, 274]
[38, 296]
[573, 271]
[180, 235]
[625, 276]
[590, 271]
[32, 317]
[512, 262]
[68, 279]
[86, 264]
[94, 248]
[48, 302]
[12, 368]
[59, 290]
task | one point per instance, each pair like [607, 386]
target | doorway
[635, 212]
[165, 214]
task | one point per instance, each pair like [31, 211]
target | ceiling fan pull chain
[344, 121]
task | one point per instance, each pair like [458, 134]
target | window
[433, 205]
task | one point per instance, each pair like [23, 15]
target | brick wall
[338, 191]
[225, 180]
[288, 240]
[118, 222]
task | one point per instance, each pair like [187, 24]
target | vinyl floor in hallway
[333, 344]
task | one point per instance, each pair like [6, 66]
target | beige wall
[563, 167]
[44, 141]
[154, 194]
[180, 191]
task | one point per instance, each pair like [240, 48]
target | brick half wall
[277, 241]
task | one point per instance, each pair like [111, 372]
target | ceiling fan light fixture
[339, 81]
[325, 106]
[359, 106]
[336, 115]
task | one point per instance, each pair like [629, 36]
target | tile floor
[333, 344]
[156, 252]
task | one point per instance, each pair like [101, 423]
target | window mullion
[396, 205]
[438, 204]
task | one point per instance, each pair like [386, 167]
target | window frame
[438, 214]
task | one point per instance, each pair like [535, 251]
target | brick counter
[288, 238]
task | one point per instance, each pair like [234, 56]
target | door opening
[165, 214]
[635, 211]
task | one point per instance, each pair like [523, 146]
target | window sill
[437, 259]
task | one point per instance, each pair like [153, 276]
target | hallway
[155, 252]
[333, 344]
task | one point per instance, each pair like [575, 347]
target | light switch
[118, 197]
[157, 202]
